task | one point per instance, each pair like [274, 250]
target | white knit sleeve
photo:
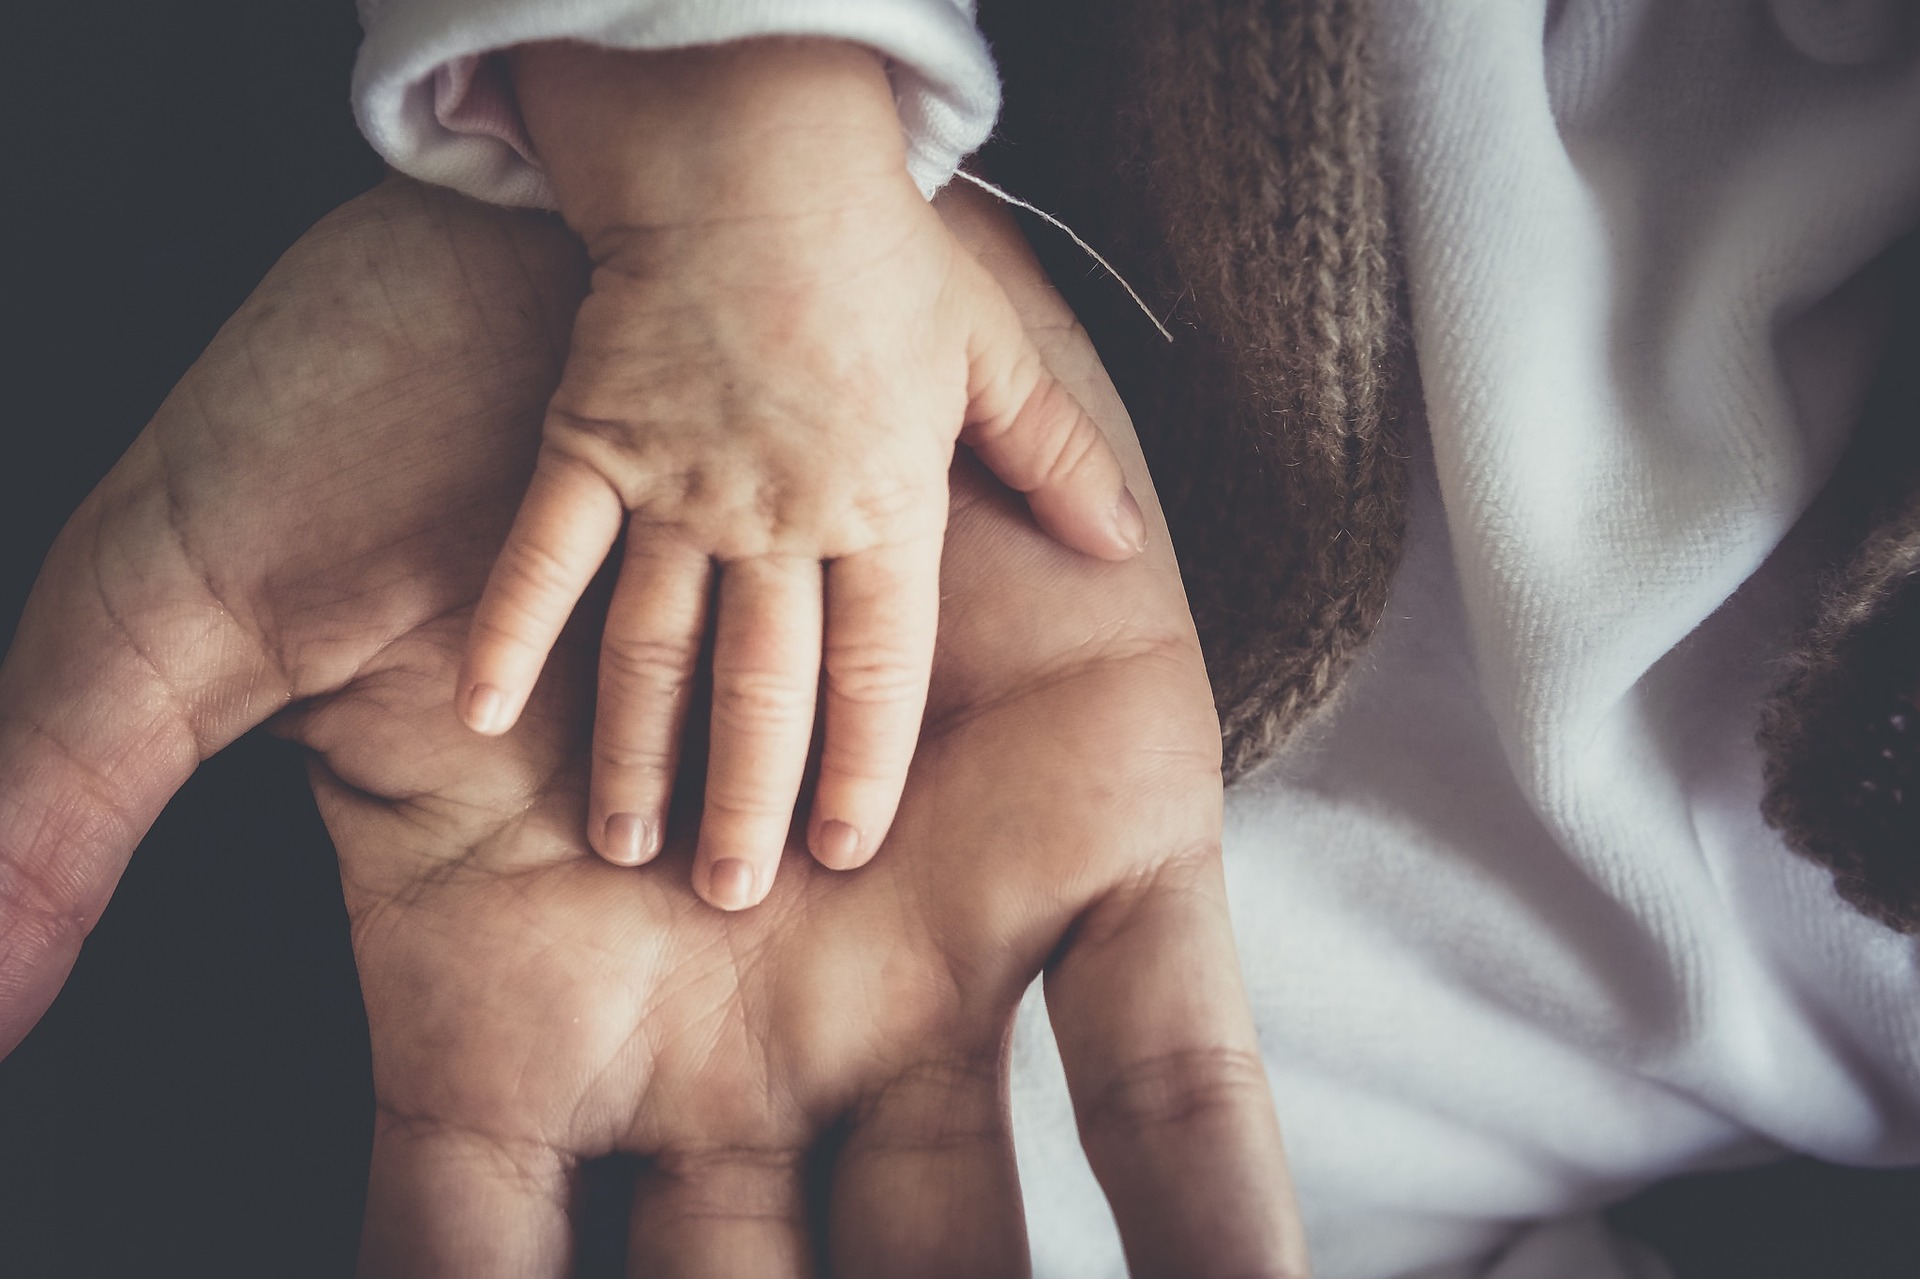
[432, 100]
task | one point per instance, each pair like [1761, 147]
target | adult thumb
[125, 672]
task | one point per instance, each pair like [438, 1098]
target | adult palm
[815, 1084]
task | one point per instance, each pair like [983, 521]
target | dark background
[197, 1101]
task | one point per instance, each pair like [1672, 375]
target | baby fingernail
[1128, 521]
[486, 709]
[837, 844]
[730, 884]
[629, 839]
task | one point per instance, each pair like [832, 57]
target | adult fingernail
[1129, 524]
[730, 884]
[486, 709]
[836, 845]
[629, 839]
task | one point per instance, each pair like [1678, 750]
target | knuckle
[758, 700]
[1051, 409]
[1054, 437]
[36, 917]
[752, 813]
[533, 574]
[730, 1186]
[965, 1119]
[632, 661]
[1003, 404]
[632, 762]
[517, 632]
[1176, 1089]
[575, 463]
[897, 505]
[571, 414]
[1074, 449]
[873, 676]
[864, 766]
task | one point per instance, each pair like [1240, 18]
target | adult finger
[715, 1214]
[567, 523]
[651, 645]
[766, 673]
[125, 671]
[1167, 1081]
[925, 1183]
[1031, 432]
[883, 606]
[451, 1203]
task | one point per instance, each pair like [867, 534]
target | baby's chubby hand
[780, 349]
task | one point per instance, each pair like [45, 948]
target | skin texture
[816, 1086]
[763, 389]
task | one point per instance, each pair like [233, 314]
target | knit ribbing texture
[1228, 155]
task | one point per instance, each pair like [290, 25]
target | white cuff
[438, 109]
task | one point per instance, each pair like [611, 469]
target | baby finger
[882, 610]
[766, 673]
[1031, 432]
[566, 525]
[647, 658]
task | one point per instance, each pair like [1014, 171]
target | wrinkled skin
[816, 1084]
[763, 387]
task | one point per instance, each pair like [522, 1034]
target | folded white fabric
[434, 103]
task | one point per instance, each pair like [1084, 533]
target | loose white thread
[1073, 235]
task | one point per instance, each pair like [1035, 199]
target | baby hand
[780, 348]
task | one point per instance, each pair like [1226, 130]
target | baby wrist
[667, 139]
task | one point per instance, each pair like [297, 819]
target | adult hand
[309, 520]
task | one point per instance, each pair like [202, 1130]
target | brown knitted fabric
[1843, 737]
[1842, 734]
[1227, 157]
